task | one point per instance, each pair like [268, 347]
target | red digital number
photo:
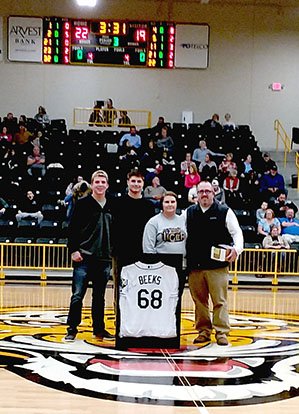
[140, 35]
[81, 33]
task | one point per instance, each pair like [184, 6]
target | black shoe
[69, 337]
[104, 335]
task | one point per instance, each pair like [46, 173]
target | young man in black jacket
[89, 243]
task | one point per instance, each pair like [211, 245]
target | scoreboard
[108, 42]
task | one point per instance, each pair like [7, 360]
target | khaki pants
[203, 283]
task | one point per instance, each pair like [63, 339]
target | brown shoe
[201, 339]
[222, 339]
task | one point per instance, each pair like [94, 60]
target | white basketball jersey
[148, 297]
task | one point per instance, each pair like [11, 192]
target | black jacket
[89, 230]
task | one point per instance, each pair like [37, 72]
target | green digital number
[142, 57]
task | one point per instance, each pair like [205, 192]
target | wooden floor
[23, 396]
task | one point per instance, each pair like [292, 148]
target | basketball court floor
[41, 374]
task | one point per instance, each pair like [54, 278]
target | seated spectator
[192, 177]
[250, 189]
[264, 225]
[41, 118]
[155, 191]
[228, 125]
[128, 157]
[124, 120]
[213, 124]
[208, 168]
[96, 117]
[29, 207]
[266, 164]
[3, 206]
[231, 186]
[274, 240]
[186, 163]
[280, 205]
[23, 120]
[133, 138]
[5, 136]
[109, 113]
[156, 130]
[23, 136]
[165, 142]
[192, 195]
[271, 184]
[290, 227]
[199, 154]
[227, 165]
[219, 193]
[79, 190]
[150, 157]
[10, 123]
[71, 185]
[36, 163]
[168, 166]
[261, 212]
[246, 166]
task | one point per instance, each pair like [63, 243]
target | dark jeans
[98, 273]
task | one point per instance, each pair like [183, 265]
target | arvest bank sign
[25, 39]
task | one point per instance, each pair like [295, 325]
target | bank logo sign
[192, 46]
[25, 39]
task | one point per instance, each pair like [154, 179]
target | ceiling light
[87, 3]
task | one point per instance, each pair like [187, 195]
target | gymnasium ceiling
[267, 3]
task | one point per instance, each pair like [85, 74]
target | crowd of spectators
[242, 176]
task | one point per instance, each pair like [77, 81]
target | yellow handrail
[107, 117]
[283, 136]
[56, 257]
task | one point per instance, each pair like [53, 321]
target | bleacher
[80, 152]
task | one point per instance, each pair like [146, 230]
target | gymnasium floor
[41, 374]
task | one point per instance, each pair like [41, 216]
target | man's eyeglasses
[204, 192]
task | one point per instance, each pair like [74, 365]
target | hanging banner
[25, 39]
[192, 46]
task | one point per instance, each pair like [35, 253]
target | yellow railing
[297, 166]
[48, 257]
[37, 257]
[105, 117]
[281, 135]
[266, 262]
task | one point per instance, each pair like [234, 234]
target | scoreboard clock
[108, 42]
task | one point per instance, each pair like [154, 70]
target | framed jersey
[148, 314]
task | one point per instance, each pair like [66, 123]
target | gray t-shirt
[165, 235]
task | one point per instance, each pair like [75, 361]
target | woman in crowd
[265, 224]
[41, 118]
[227, 165]
[192, 177]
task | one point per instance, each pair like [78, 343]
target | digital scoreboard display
[108, 42]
